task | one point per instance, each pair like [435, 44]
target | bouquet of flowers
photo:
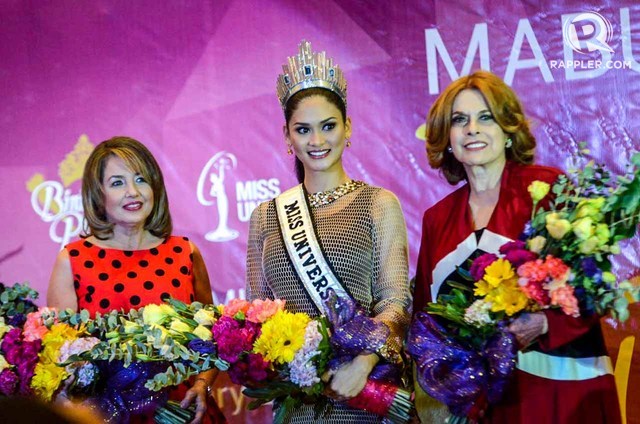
[275, 353]
[561, 261]
[32, 344]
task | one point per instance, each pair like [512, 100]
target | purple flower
[204, 347]
[238, 373]
[590, 268]
[512, 245]
[479, 264]
[8, 382]
[17, 320]
[232, 339]
[251, 370]
[257, 367]
[11, 346]
[516, 253]
[527, 232]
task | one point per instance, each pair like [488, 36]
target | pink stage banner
[195, 81]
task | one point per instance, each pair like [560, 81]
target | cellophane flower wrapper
[562, 261]
[319, 345]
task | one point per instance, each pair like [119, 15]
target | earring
[289, 151]
[449, 149]
[348, 143]
[508, 143]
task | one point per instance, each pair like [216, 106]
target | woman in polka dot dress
[128, 258]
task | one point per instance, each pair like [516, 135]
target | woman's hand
[351, 377]
[198, 393]
[528, 327]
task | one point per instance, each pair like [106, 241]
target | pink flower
[479, 264]
[556, 268]
[235, 306]
[534, 290]
[563, 297]
[533, 270]
[262, 310]
[34, 328]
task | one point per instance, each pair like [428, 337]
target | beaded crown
[310, 69]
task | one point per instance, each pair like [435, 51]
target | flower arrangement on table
[120, 363]
[561, 261]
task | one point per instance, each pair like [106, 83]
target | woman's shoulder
[450, 202]
[530, 173]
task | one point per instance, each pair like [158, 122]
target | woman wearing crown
[354, 232]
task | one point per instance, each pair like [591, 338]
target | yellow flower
[157, 314]
[204, 317]
[538, 189]
[498, 271]
[3, 363]
[608, 277]
[4, 328]
[131, 327]
[179, 327]
[203, 332]
[282, 336]
[602, 233]
[557, 226]
[590, 208]
[151, 338]
[536, 244]
[509, 298]
[583, 228]
[47, 379]
[482, 288]
[589, 245]
[53, 341]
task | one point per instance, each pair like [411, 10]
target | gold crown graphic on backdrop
[308, 70]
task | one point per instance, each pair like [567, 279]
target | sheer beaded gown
[363, 235]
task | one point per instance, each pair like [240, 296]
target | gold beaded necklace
[325, 197]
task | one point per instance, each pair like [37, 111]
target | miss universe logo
[213, 189]
[54, 202]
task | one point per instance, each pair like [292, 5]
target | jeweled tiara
[308, 70]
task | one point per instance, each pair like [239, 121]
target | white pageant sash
[305, 253]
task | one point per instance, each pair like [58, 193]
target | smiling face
[317, 132]
[128, 197]
[475, 136]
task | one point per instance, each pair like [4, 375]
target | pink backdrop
[195, 82]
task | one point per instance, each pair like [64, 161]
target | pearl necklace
[325, 197]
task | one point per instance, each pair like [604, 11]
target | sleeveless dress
[363, 235]
[111, 279]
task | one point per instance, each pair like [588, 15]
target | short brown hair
[137, 157]
[505, 108]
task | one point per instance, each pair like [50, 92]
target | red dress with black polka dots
[107, 279]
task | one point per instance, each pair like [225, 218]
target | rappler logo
[587, 32]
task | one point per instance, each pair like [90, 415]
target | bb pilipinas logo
[54, 202]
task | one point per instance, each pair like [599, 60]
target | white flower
[478, 313]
